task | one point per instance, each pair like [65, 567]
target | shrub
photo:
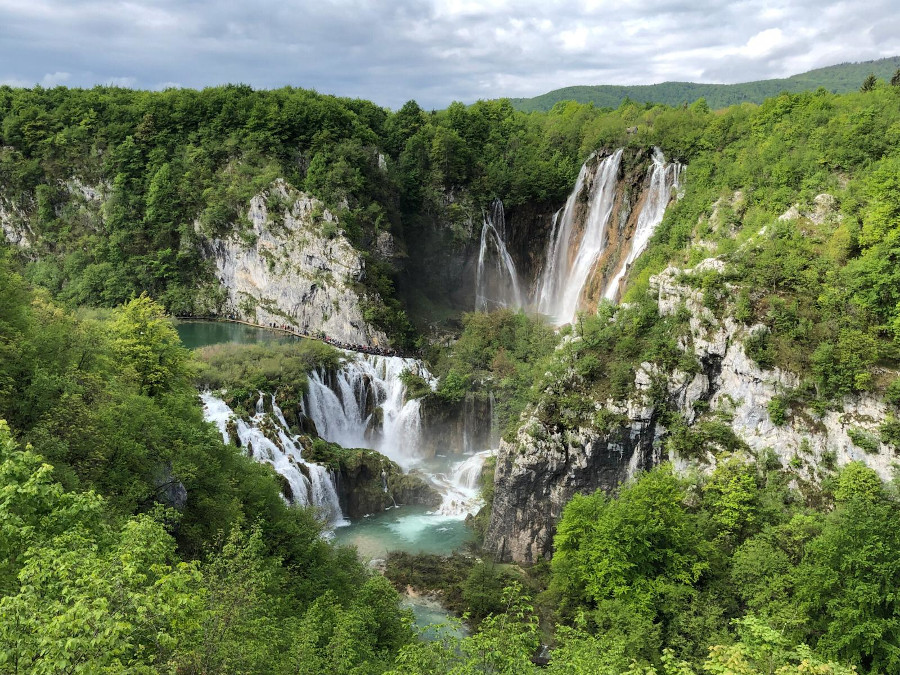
[777, 408]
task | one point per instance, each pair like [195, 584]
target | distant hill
[841, 78]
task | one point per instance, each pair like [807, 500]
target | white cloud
[764, 43]
[433, 50]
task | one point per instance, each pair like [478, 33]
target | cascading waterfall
[461, 489]
[663, 179]
[346, 406]
[500, 289]
[311, 485]
[563, 278]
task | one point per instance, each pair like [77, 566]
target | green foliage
[666, 564]
[892, 394]
[147, 344]
[890, 431]
[504, 643]
[502, 351]
[359, 639]
[416, 385]
[777, 408]
[706, 436]
[245, 370]
[845, 579]
[482, 591]
[863, 439]
[869, 83]
[639, 551]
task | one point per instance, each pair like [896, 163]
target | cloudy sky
[435, 51]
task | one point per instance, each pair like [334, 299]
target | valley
[645, 420]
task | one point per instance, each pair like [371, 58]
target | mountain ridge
[839, 78]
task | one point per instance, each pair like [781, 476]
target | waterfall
[492, 416]
[461, 489]
[260, 405]
[363, 405]
[503, 289]
[663, 179]
[309, 484]
[564, 275]
[469, 424]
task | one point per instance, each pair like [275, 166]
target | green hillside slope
[839, 79]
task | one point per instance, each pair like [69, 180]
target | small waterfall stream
[461, 487]
[498, 285]
[309, 484]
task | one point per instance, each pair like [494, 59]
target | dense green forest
[106, 568]
[839, 79]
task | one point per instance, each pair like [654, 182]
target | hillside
[839, 79]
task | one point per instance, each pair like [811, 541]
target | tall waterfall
[564, 275]
[310, 484]
[663, 179]
[496, 285]
[346, 406]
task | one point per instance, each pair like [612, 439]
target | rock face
[538, 473]
[368, 482]
[294, 266]
[85, 206]
[15, 226]
[536, 477]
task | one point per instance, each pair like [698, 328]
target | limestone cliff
[539, 472]
[293, 265]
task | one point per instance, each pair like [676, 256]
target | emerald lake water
[196, 334]
[414, 529]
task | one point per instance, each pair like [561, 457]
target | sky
[433, 51]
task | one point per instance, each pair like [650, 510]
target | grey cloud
[434, 51]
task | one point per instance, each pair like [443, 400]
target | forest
[135, 541]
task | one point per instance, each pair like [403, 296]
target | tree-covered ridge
[117, 187]
[838, 79]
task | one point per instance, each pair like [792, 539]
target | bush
[777, 408]
[863, 439]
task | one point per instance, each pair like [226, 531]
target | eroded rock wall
[293, 266]
[539, 472]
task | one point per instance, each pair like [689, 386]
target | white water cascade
[461, 488]
[498, 285]
[564, 275]
[310, 484]
[346, 406]
[663, 179]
